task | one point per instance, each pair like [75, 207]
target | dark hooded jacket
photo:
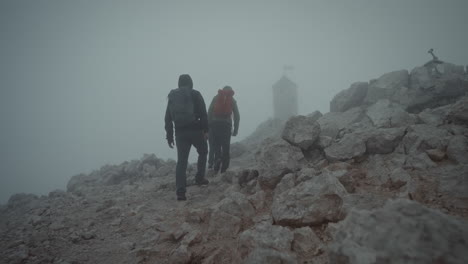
[201, 122]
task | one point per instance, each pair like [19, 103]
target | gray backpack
[181, 107]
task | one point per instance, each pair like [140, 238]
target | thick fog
[84, 83]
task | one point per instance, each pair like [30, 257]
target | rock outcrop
[401, 232]
[382, 178]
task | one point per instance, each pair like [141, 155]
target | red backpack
[223, 104]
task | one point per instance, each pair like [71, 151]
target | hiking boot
[181, 197]
[202, 182]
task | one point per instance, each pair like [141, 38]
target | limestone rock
[422, 137]
[436, 154]
[223, 225]
[436, 116]
[387, 114]
[313, 202]
[453, 183]
[224, 254]
[420, 161]
[236, 204]
[349, 147]
[324, 142]
[380, 167]
[301, 131]
[459, 112]
[383, 141]
[306, 174]
[286, 183]
[429, 90]
[266, 236]
[387, 85]
[333, 122]
[349, 98]
[276, 158]
[351, 179]
[401, 232]
[457, 149]
[306, 244]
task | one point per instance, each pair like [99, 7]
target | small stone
[435, 154]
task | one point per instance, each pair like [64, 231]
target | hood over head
[185, 81]
[226, 91]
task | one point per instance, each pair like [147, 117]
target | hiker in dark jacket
[223, 109]
[186, 112]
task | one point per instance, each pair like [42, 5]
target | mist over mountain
[382, 177]
[85, 83]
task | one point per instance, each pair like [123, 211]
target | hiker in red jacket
[223, 109]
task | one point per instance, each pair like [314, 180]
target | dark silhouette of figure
[186, 112]
[222, 112]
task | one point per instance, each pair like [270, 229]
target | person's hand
[170, 143]
[234, 133]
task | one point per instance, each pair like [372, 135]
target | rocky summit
[382, 178]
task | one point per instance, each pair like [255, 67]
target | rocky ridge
[382, 178]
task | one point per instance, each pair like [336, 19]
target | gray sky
[84, 83]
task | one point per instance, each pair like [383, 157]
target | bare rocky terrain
[382, 178]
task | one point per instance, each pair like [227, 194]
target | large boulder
[267, 236]
[349, 98]
[381, 168]
[457, 149]
[286, 183]
[459, 112]
[349, 147]
[402, 231]
[313, 202]
[423, 77]
[236, 204]
[383, 141]
[276, 158]
[333, 122]
[387, 114]
[435, 116]
[306, 243]
[422, 137]
[387, 85]
[301, 131]
[223, 225]
[430, 90]
[372, 141]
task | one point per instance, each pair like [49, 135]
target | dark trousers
[211, 152]
[221, 144]
[184, 141]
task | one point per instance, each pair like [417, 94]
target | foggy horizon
[84, 84]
